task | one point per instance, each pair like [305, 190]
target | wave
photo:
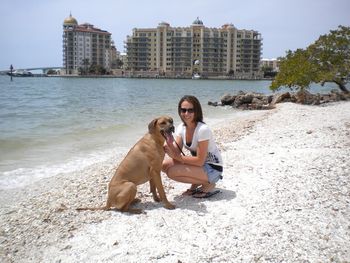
[21, 177]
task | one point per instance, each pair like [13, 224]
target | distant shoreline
[148, 77]
[142, 77]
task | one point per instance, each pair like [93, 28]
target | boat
[20, 73]
[196, 76]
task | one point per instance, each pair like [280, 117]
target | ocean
[53, 125]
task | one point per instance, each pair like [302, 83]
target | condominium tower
[183, 51]
[85, 45]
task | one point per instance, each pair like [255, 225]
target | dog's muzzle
[168, 134]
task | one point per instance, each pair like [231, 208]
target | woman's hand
[167, 149]
[173, 152]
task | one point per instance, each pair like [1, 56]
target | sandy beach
[284, 198]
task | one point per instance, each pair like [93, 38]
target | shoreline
[141, 77]
[285, 197]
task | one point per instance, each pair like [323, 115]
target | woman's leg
[167, 163]
[187, 174]
[194, 175]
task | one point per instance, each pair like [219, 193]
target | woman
[204, 167]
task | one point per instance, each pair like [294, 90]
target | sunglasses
[190, 110]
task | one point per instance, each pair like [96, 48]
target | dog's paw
[169, 206]
[156, 199]
[136, 211]
[136, 200]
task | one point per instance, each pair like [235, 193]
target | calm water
[54, 125]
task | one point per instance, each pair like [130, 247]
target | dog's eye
[163, 123]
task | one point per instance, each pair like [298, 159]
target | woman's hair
[198, 114]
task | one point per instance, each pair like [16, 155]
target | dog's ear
[152, 126]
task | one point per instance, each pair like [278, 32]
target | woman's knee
[174, 173]
[166, 165]
[166, 168]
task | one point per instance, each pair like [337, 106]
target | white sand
[285, 198]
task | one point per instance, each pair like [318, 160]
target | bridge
[44, 70]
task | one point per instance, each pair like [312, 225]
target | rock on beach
[258, 101]
[284, 198]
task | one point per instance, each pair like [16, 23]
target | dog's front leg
[157, 181]
[153, 190]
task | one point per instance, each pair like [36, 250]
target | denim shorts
[213, 174]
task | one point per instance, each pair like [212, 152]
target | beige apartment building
[273, 64]
[194, 50]
[85, 45]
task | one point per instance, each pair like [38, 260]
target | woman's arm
[200, 157]
[174, 152]
[197, 160]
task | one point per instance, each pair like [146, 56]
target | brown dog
[142, 163]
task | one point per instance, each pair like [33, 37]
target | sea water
[57, 125]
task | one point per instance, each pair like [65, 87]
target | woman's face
[187, 111]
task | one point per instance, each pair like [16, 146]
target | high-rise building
[184, 51]
[84, 46]
[273, 64]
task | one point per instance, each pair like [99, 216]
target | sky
[32, 30]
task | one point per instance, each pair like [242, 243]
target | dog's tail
[104, 208]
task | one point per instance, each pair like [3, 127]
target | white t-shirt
[201, 133]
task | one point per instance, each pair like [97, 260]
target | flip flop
[190, 192]
[205, 194]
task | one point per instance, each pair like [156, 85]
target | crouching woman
[204, 167]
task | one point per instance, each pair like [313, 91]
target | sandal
[192, 190]
[207, 187]
[205, 194]
[189, 192]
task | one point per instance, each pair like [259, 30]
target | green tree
[117, 63]
[296, 71]
[268, 71]
[331, 56]
[83, 70]
[97, 69]
[51, 72]
[327, 60]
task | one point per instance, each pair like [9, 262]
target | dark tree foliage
[326, 60]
